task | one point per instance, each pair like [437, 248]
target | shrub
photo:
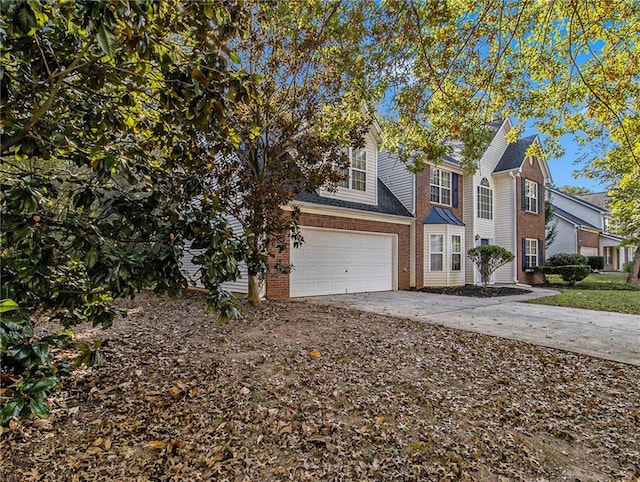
[596, 262]
[573, 273]
[488, 258]
[566, 259]
[626, 267]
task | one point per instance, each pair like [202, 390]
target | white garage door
[584, 251]
[332, 262]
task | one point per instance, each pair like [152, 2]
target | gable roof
[575, 220]
[600, 199]
[387, 202]
[579, 200]
[441, 216]
[514, 155]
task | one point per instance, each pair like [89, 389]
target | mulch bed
[297, 391]
[476, 291]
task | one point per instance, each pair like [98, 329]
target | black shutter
[522, 194]
[454, 189]
[540, 200]
[524, 257]
[540, 252]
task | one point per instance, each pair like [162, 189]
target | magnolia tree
[102, 168]
[488, 258]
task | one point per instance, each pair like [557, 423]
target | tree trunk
[254, 290]
[635, 268]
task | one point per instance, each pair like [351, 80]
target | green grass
[598, 291]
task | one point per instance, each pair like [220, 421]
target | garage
[335, 261]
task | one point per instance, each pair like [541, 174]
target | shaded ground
[297, 391]
[476, 291]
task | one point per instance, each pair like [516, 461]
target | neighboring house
[385, 228]
[582, 227]
[502, 203]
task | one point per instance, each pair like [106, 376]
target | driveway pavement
[613, 336]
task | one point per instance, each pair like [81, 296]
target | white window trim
[439, 185]
[432, 253]
[528, 255]
[531, 201]
[349, 181]
[456, 253]
[488, 193]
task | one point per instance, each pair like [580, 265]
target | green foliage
[565, 259]
[488, 258]
[626, 267]
[596, 262]
[572, 273]
[104, 169]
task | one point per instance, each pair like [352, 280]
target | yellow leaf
[380, 420]
[107, 444]
[156, 444]
[314, 354]
[97, 442]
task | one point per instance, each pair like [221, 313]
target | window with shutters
[440, 186]
[530, 253]
[530, 196]
[485, 200]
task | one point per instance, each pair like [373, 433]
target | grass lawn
[599, 291]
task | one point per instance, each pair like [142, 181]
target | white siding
[468, 217]
[241, 285]
[565, 240]
[590, 215]
[370, 195]
[446, 277]
[504, 206]
[397, 178]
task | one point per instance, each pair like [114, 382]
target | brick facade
[530, 225]
[423, 206]
[277, 286]
[588, 239]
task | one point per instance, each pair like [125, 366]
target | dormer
[361, 182]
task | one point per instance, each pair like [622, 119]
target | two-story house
[501, 203]
[385, 228]
[582, 227]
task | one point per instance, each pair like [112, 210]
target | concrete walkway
[613, 336]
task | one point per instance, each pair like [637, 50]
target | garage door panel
[331, 262]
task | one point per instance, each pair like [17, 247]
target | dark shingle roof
[574, 219]
[514, 156]
[441, 216]
[495, 125]
[600, 199]
[387, 202]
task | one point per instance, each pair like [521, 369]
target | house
[502, 203]
[582, 227]
[385, 228]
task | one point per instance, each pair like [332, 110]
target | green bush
[573, 273]
[626, 267]
[596, 262]
[566, 259]
[488, 258]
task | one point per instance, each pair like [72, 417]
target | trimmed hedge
[566, 259]
[596, 262]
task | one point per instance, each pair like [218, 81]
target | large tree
[102, 166]
[310, 108]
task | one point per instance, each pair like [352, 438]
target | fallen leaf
[97, 442]
[286, 429]
[380, 420]
[314, 354]
[156, 444]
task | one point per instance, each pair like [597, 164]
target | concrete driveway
[613, 336]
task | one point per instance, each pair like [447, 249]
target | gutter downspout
[515, 225]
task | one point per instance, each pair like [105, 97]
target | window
[456, 253]
[608, 255]
[530, 196]
[530, 253]
[485, 200]
[436, 247]
[356, 175]
[440, 186]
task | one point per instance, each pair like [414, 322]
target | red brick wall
[423, 206]
[588, 239]
[529, 225]
[278, 284]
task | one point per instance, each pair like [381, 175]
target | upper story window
[530, 196]
[485, 200]
[356, 177]
[440, 186]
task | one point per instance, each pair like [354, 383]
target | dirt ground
[296, 391]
